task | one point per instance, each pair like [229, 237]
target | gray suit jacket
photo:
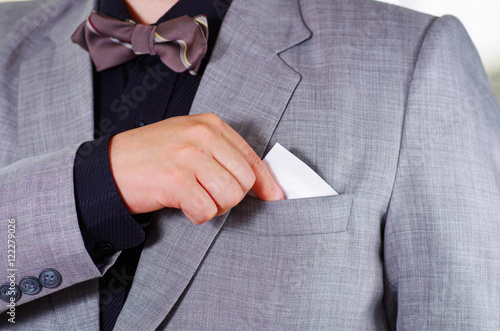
[391, 107]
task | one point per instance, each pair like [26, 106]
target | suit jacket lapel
[248, 86]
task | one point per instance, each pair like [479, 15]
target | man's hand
[195, 163]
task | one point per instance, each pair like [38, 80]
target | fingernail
[280, 194]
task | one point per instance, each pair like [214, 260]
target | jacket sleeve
[37, 207]
[442, 231]
[37, 200]
[37, 204]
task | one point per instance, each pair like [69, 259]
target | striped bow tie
[180, 43]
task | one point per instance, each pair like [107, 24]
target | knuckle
[249, 181]
[200, 211]
[204, 210]
[237, 194]
[235, 199]
[214, 121]
[230, 201]
[245, 174]
[174, 177]
[211, 117]
[188, 151]
[165, 198]
[231, 190]
[203, 131]
[208, 214]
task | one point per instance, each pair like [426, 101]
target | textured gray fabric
[391, 107]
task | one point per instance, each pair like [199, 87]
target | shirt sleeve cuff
[105, 223]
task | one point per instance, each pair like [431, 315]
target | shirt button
[30, 285]
[50, 278]
[104, 248]
[139, 124]
[7, 292]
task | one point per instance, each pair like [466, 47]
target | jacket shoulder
[371, 9]
[366, 19]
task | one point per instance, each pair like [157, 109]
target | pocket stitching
[343, 229]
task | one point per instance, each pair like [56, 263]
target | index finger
[265, 187]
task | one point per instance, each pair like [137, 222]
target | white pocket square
[294, 177]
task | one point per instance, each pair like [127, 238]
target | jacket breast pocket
[294, 217]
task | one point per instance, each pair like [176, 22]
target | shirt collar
[113, 8]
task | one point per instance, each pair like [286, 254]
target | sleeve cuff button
[50, 278]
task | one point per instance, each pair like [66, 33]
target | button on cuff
[30, 285]
[50, 278]
[7, 292]
[139, 124]
[104, 248]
